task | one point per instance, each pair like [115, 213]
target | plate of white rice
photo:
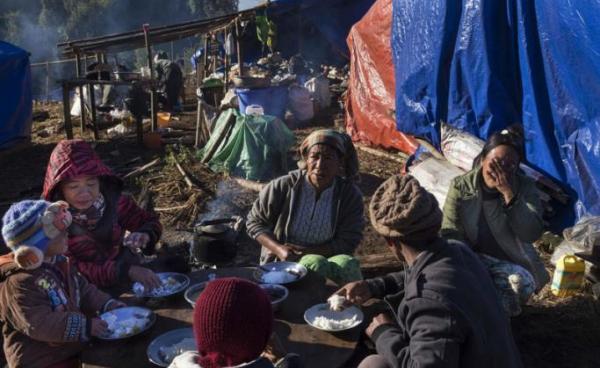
[280, 273]
[321, 316]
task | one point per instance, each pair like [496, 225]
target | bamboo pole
[93, 111]
[81, 94]
[239, 49]
[142, 169]
[153, 101]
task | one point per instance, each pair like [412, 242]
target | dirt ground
[551, 332]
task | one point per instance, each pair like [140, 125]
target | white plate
[298, 272]
[183, 280]
[193, 292]
[323, 310]
[167, 340]
[128, 317]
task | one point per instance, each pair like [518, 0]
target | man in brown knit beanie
[446, 311]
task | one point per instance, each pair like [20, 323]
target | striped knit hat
[30, 225]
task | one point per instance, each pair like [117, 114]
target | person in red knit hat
[233, 321]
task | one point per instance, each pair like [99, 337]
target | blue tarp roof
[481, 65]
[15, 94]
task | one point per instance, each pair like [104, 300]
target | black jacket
[448, 313]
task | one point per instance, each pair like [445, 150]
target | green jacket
[514, 227]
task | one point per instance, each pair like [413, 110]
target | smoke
[38, 25]
[231, 200]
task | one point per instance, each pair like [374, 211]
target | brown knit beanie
[401, 208]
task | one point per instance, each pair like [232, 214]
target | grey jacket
[272, 211]
[448, 313]
[514, 227]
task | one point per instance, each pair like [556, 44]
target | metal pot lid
[214, 229]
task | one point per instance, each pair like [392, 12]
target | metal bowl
[323, 310]
[129, 313]
[156, 349]
[193, 292]
[277, 294]
[293, 269]
[183, 280]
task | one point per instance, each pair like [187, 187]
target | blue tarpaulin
[15, 94]
[481, 65]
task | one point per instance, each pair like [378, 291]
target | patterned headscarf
[341, 142]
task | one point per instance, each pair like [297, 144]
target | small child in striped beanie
[29, 227]
[49, 311]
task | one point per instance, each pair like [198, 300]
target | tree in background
[37, 25]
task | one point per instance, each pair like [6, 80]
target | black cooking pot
[215, 243]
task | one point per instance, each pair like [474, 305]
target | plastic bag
[579, 238]
[301, 104]
[460, 147]
[586, 232]
[319, 89]
[435, 175]
[76, 102]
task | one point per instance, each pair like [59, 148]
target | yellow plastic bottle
[568, 276]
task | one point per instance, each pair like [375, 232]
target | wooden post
[67, 110]
[139, 129]
[199, 122]
[239, 49]
[205, 56]
[198, 89]
[93, 110]
[81, 94]
[153, 87]
[226, 74]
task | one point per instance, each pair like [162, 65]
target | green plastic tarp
[255, 149]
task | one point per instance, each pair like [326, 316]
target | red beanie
[233, 321]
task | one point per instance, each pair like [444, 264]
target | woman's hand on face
[136, 240]
[502, 179]
[145, 277]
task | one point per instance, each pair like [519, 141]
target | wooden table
[317, 348]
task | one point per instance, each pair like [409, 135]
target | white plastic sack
[255, 110]
[300, 103]
[579, 238]
[120, 130]
[459, 147]
[319, 89]
[230, 100]
[435, 175]
[76, 102]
